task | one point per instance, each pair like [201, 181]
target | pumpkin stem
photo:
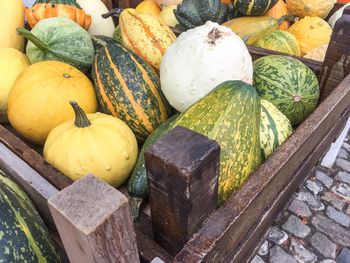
[289, 18]
[32, 38]
[114, 12]
[81, 120]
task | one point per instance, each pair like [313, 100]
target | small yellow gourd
[95, 143]
[167, 15]
[148, 7]
[302, 8]
[311, 32]
[12, 63]
[38, 100]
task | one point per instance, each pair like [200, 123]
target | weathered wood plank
[182, 175]
[336, 65]
[33, 159]
[220, 236]
[258, 230]
[94, 222]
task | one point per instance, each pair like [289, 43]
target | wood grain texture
[336, 65]
[33, 159]
[220, 236]
[182, 175]
[94, 222]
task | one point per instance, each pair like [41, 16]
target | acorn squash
[254, 7]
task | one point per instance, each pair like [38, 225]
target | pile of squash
[144, 80]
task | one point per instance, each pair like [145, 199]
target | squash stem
[81, 120]
[32, 38]
[114, 12]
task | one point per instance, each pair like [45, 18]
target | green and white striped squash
[288, 84]
[23, 235]
[275, 128]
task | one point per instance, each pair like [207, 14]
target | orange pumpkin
[227, 2]
[280, 9]
[343, 1]
[42, 9]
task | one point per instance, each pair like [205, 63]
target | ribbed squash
[254, 7]
[43, 9]
[278, 10]
[230, 114]
[96, 143]
[311, 32]
[281, 41]
[302, 8]
[11, 17]
[23, 234]
[128, 88]
[146, 35]
[275, 128]
[252, 28]
[39, 98]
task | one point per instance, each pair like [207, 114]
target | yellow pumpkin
[12, 63]
[311, 32]
[95, 143]
[11, 17]
[302, 8]
[148, 7]
[38, 100]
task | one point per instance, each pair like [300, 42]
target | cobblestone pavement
[315, 225]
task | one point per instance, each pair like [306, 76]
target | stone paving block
[299, 208]
[343, 164]
[328, 261]
[344, 256]
[348, 210]
[300, 253]
[296, 227]
[324, 179]
[323, 245]
[346, 146]
[343, 154]
[343, 177]
[337, 216]
[334, 200]
[313, 187]
[336, 232]
[264, 249]
[343, 190]
[277, 235]
[311, 200]
[257, 259]
[278, 255]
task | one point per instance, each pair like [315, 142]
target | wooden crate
[95, 225]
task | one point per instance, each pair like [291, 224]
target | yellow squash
[252, 28]
[311, 32]
[146, 35]
[11, 17]
[95, 143]
[12, 63]
[302, 8]
[167, 15]
[39, 98]
[148, 7]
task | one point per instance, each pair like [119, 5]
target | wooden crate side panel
[226, 227]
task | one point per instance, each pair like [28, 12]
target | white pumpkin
[199, 60]
[333, 19]
[99, 25]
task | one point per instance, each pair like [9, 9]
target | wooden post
[336, 65]
[182, 169]
[94, 222]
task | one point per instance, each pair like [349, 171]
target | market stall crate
[93, 219]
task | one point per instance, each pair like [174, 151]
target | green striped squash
[23, 235]
[275, 128]
[254, 7]
[281, 41]
[288, 84]
[230, 114]
[128, 88]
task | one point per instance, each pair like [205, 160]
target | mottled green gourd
[254, 7]
[61, 39]
[23, 235]
[288, 84]
[193, 13]
[275, 128]
[230, 114]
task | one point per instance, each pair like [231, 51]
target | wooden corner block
[182, 170]
[94, 222]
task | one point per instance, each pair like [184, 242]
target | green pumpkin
[59, 39]
[193, 13]
[254, 7]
